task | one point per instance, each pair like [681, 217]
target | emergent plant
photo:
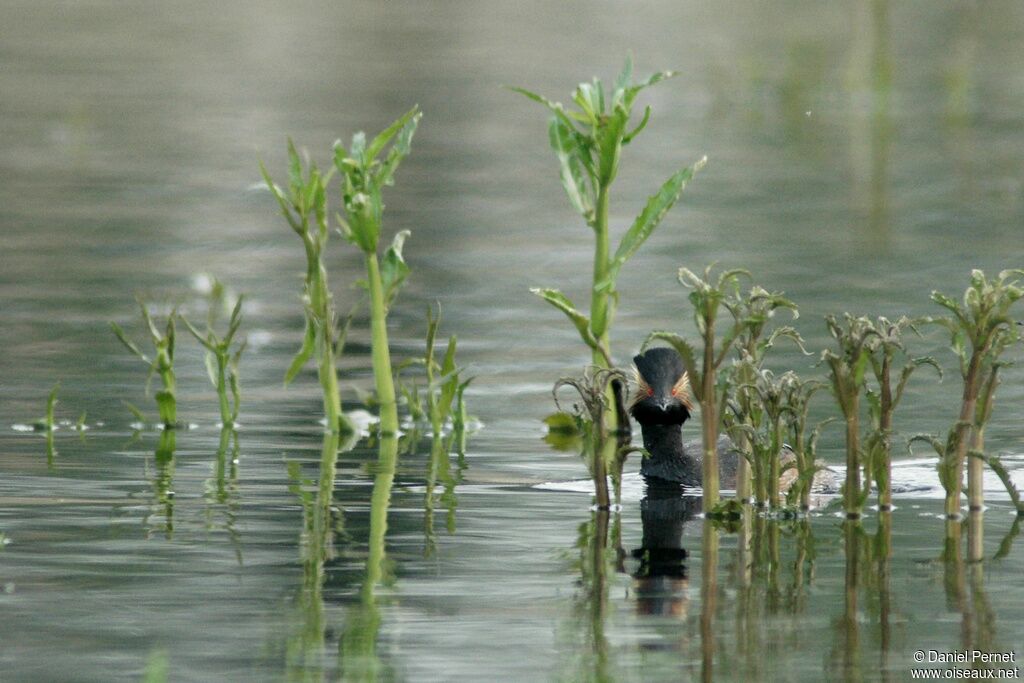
[161, 364]
[304, 205]
[588, 141]
[363, 178]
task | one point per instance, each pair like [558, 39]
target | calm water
[861, 155]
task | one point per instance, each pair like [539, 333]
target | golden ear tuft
[681, 390]
[642, 389]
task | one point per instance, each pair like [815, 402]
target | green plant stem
[600, 315]
[381, 353]
[226, 418]
[774, 469]
[336, 420]
[169, 409]
[709, 420]
[743, 471]
[852, 492]
[967, 410]
[885, 427]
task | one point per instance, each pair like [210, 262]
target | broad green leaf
[570, 168]
[609, 142]
[657, 206]
[304, 354]
[562, 303]
[393, 269]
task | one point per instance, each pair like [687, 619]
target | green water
[860, 155]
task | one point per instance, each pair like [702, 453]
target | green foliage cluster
[588, 141]
[161, 364]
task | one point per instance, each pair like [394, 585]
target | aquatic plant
[588, 141]
[708, 296]
[980, 329]
[443, 398]
[751, 315]
[221, 360]
[847, 370]
[161, 364]
[363, 178]
[882, 402]
[767, 442]
[304, 205]
[804, 445]
[603, 453]
[46, 423]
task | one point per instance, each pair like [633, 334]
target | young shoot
[602, 453]
[304, 205]
[221, 360]
[364, 174]
[443, 398]
[588, 142]
[980, 329]
[161, 364]
[798, 395]
[767, 443]
[882, 402]
[847, 370]
[47, 423]
[708, 297]
[751, 316]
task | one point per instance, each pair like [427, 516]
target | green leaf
[562, 303]
[394, 270]
[451, 385]
[294, 171]
[399, 150]
[135, 412]
[210, 361]
[556, 108]
[657, 206]
[304, 354]
[625, 76]
[570, 168]
[385, 136]
[628, 137]
[609, 142]
[129, 344]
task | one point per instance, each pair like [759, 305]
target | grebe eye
[650, 392]
[674, 391]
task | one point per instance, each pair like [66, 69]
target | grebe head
[662, 392]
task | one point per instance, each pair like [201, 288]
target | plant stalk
[885, 426]
[967, 409]
[381, 354]
[709, 421]
[852, 492]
